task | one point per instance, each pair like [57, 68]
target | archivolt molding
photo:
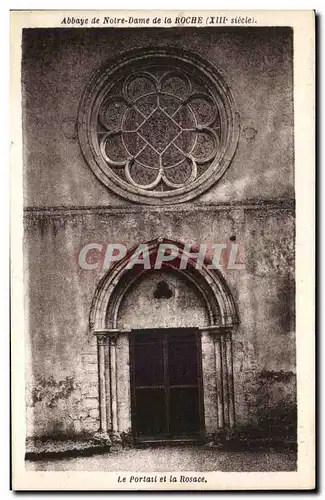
[117, 281]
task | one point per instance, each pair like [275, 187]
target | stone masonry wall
[67, 208]
[61, 348]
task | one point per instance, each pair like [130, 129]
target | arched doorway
[164, 349]
[163, 312]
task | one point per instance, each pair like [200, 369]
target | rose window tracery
[158, 127]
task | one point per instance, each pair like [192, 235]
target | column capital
[112, 338]
[216, 331]
[106, 334]
[101, 339]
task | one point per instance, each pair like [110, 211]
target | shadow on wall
[277, 405]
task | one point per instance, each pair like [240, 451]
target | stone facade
[67, 207]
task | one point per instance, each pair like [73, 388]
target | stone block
[90, 425]
[91, 392]
[94, 413]
[90, 403]
[91, 368]
[90, 359]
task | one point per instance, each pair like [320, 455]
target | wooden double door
[166, 384]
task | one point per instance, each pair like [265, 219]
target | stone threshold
[147, 441]
[50, 449]
[41, 449]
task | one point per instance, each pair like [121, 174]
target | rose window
[158, 129]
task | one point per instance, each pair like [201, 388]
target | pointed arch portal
[181, 394]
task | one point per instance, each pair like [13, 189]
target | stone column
[225, 380]
[108, 385]
[219, 385]
[101, 343]
[224, 377]
[230, 376]
[106, 340]
[113, 381]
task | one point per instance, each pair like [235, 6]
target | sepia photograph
[159, 259]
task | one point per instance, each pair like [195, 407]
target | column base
[103, 437]
[116, 441]
[220, 437]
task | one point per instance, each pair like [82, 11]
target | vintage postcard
[162, 169]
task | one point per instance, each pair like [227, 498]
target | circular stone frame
[120, 67]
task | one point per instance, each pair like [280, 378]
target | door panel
[148, 364]
[166, 383]
[182, 360]
[150, 412]
[184, 410]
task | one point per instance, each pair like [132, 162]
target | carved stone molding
[116, 282]
[101, 339]
[264, 207]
